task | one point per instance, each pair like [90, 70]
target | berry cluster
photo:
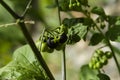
[56, 41]
[77, 3]
[100, 59]
[74, 3]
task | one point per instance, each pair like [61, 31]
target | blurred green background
[11, 37]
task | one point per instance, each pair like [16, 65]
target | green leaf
[73, 39]
[114, 33]
[103, 76]
[111, 19]
[23, 66]
[72, 21]
[98, 11]
[84, 2]
[76, 33]
[88, 74]
[96, 38]
[81, 30]
[117, 21]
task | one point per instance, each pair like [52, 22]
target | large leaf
[24, 66]
[76, 33]
[88, 74]
[114, 33]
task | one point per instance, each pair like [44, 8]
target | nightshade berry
[51, 43]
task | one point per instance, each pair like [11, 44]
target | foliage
[23, 66]
[87, 74]
[27, 63]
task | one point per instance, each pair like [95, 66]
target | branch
[29, 39]
[15, 23]
[9, 9]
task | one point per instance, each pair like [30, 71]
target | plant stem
[63, 55]
[58, 11]
[117, 64]
[11, 24]
[29, 39]
[63, 65]
[27, 8]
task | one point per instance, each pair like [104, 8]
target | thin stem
[27, 8]
[63, 65]
[29, 39]
[11, 24]
[117, 64]
[63, 55]
[58, 12]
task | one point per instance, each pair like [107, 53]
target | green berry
[98, 65]
[104, 60]
[95, 60]
[70, 6]
[99, 53]
[90, 65]
[74, 4]
[44, 47]
[108, 54]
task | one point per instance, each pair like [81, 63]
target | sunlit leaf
[76, 33]
[87, 74]
[23, 66]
